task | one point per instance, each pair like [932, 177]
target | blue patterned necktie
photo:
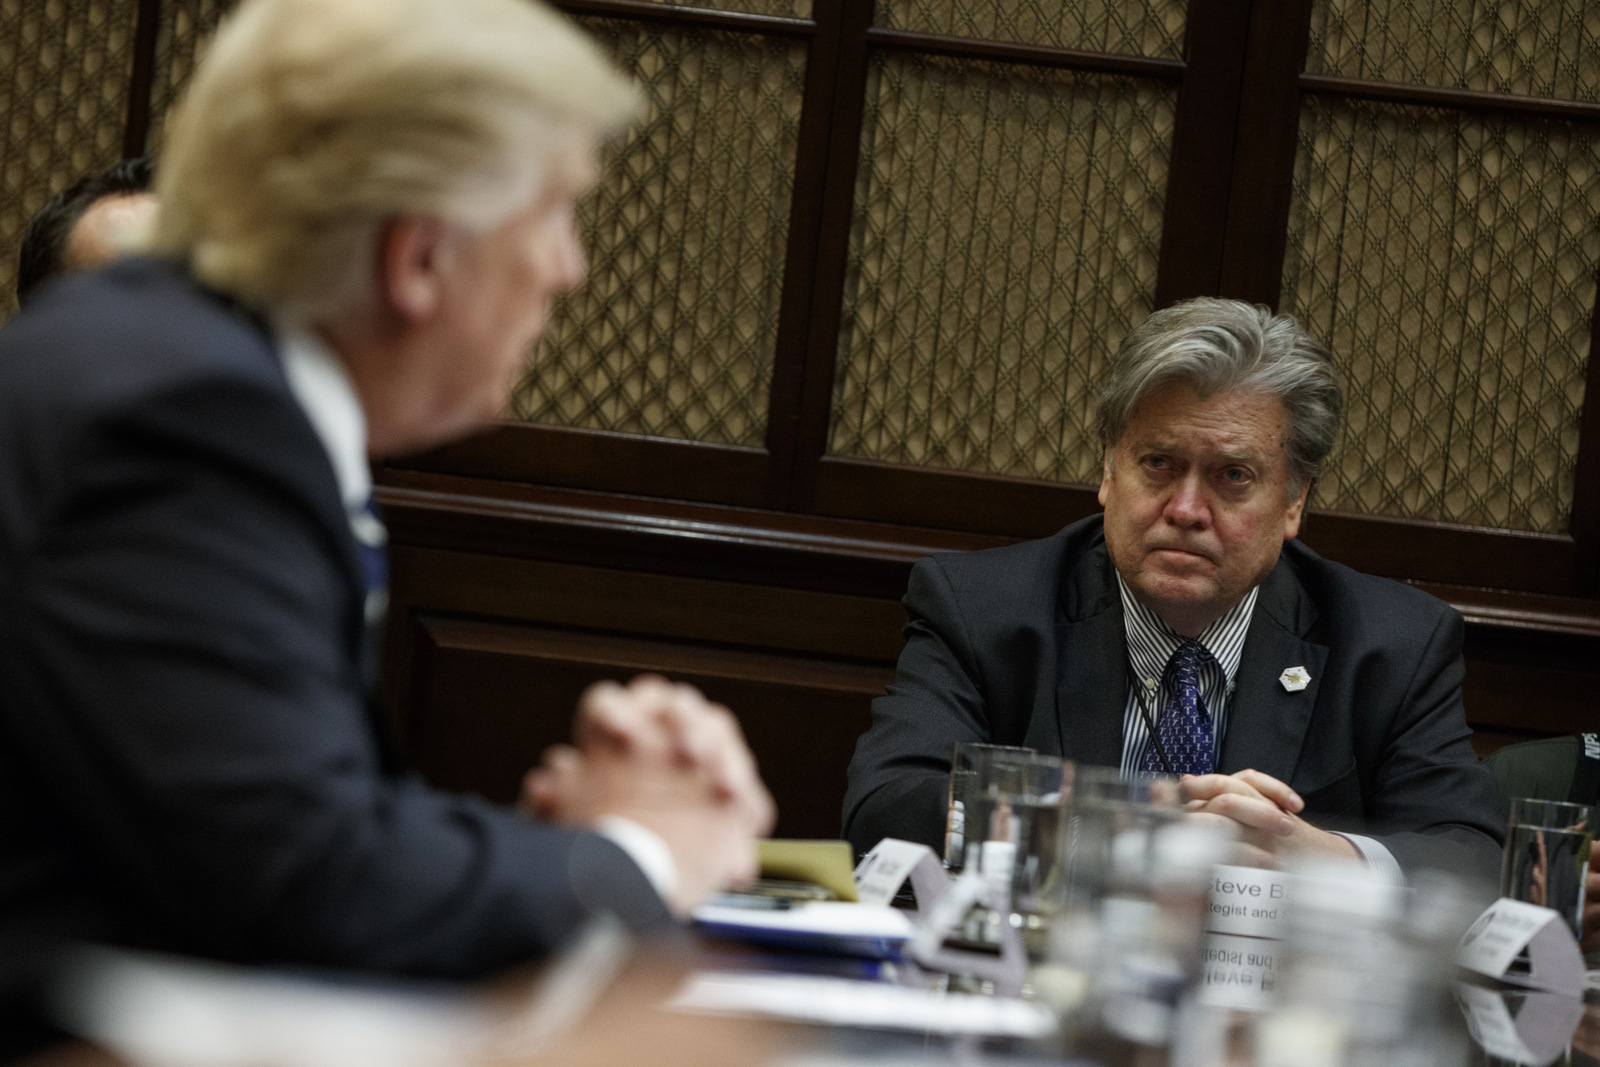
[1185, 727]
[372, 542]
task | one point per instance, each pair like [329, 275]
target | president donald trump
[366, 209]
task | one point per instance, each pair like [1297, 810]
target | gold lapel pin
[1295, 679]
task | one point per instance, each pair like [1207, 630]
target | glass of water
[1547, 856]
[1111, 825]
[1013, 820]
[964, 762]
[1130, 897]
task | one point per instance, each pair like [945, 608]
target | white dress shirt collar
[323, 389]
[1152, 642]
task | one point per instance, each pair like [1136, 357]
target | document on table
[842, 1002]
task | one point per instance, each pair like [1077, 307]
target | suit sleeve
[197, 717]
[898, 779]
[1432, 804]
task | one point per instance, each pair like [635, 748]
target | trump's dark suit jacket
[188, 759]
[1025, 645]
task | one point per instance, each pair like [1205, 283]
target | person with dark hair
[1187, 632]
[98, 218]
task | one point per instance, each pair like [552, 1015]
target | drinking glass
[963, 784]
[1547, 856]
[1129, 899]
[1012, 824]
[1109, 828]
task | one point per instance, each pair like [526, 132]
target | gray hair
[1216, 345]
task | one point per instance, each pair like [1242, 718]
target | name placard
[1247, 901]
[1245, 924]
[882, 871]
[1525, 945]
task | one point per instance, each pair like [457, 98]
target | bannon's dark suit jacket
[1025, 645]
[188, 759]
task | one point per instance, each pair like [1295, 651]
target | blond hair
[311, 122]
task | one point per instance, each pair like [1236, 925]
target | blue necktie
[372, 542]
[1185, 727]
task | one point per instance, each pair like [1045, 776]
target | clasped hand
[658, 753]
[1264, 812]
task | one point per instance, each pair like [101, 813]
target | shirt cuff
[1378, 857]
[646, 849]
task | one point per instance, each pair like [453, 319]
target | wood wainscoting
[491, 653]
[506, 601]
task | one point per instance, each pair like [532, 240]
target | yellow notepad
[829, 864]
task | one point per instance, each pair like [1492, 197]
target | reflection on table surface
[564, 1015]
[1586, 1039]
[1553, 1029]
[171, 1013]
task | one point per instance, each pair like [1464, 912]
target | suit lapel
[1267, 723]
[1092, 672]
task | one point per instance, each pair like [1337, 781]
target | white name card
[1526, 945]
[1245, 922]
[1247, 901]
[882, 871]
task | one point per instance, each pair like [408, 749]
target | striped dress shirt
[1151, 644]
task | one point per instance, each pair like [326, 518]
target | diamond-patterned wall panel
[1007, 224]
[1134, 27]
[674, 332]
[64, 70]
[1450, 262]
[184, 29]
[1548, 48]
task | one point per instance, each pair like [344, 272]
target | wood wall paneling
[1527, 684]
[1194, 232]
[1586, 475]
[837, 190]
[487, 657]
[146, 29]
[733, 614]
[810, 240]
[491, 696]
[1015, 507]
[1258, 203]
[621, 463]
